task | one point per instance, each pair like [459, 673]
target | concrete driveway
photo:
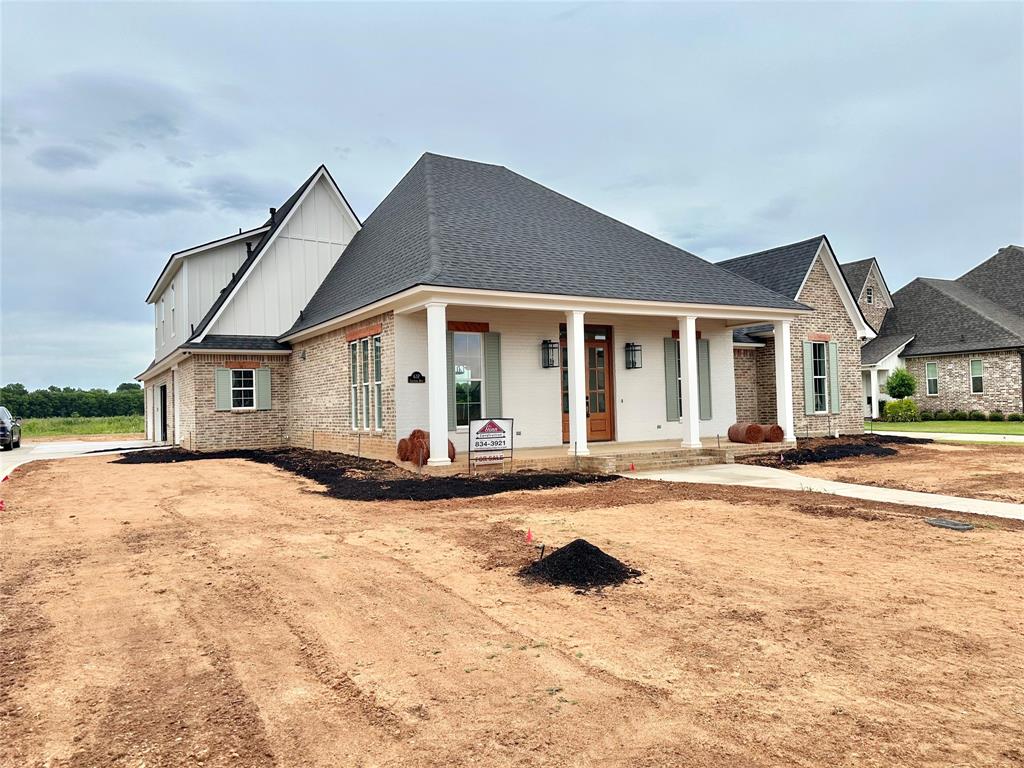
[33, 451]
[770, 477]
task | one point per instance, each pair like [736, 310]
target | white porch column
[784, 379]
[577, 383]
[690, 415]
[873, 372]
[437, 384]
[148, 400]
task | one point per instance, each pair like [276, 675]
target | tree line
[127, 400]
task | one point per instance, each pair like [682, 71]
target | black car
[10, 430]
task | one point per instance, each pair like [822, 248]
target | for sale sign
[490, 435]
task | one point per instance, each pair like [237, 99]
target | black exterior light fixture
[549, 353]
[634, 356]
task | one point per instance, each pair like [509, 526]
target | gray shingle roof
[464, 224]
[1000, 279]
[946, 316]
[882, 346]
[856, 272]
[214, 342]
[781, 269]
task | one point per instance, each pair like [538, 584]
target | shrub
[943, 416]
[976, 416]
[1015, 417]
[927, 416]
[996, 415]
[901, 383]
[958, 415]
[901, 410]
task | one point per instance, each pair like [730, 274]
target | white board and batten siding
[284, 279]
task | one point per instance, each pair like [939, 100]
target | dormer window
[869, 295]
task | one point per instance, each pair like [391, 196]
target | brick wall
[185, 378]
[745, 367]
[874, 313]
[216, 430]
[1002, 382]
[319, 403]
[828, 319]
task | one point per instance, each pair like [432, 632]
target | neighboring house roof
[1000, 278]
[881, 347]
[458, 223]
[946, 317]
[782, 269]
[215, 342]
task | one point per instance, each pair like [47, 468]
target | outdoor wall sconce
[549, 353]
[634, 356]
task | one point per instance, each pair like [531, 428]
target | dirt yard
[976, 471]
[225, 613]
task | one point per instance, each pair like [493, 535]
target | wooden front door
[597, 352]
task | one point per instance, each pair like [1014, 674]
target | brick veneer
[210, 429]
[319, 413]
[830, 318]
[1002, 382]
[745, 367]
[874, 313]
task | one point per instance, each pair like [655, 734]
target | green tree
[901, 384]
[128, 386]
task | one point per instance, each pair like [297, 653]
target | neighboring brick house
[471, 293]
[963, 339]
[825, 344]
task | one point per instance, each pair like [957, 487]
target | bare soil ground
[227, 613]
[974, 471]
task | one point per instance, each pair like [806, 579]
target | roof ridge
[774, 248]
[432, 236]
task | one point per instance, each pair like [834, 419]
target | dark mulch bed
[579, 564]
[818, 449]
[360, 479]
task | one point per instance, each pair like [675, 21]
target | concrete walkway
[956, 436]
[64, 450]
[769, 477]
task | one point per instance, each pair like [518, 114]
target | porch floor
[617, 456]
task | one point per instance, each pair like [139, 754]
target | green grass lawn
[82, 425]
[957, 427]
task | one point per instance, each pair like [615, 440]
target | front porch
[614, 457]
[593, 384]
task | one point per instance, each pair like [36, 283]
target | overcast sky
[134, 130]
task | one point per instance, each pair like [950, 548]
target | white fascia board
[864, 331]
[178, 257]
[416, 298]
[320, 174]
[746, 345]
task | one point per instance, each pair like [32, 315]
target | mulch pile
[579, 564]
[818, 449]
[361, 479]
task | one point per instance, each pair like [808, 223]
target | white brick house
[471, 291]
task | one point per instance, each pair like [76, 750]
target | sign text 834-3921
[490, 435]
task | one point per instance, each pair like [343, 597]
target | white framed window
[364, 380]
[931, 378]
[172, 310]
[243, 389]
[378, 385]
[354, 380]
[819, 373]
[163, 327]
[468, 351]
[977, 376]
[869, 295]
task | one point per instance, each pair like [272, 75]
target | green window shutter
[704, 377]
[833, 376]
[671, 380]
[808, 378]
[492, 375]
[222, 389]
[262, 389]
[450, 340]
